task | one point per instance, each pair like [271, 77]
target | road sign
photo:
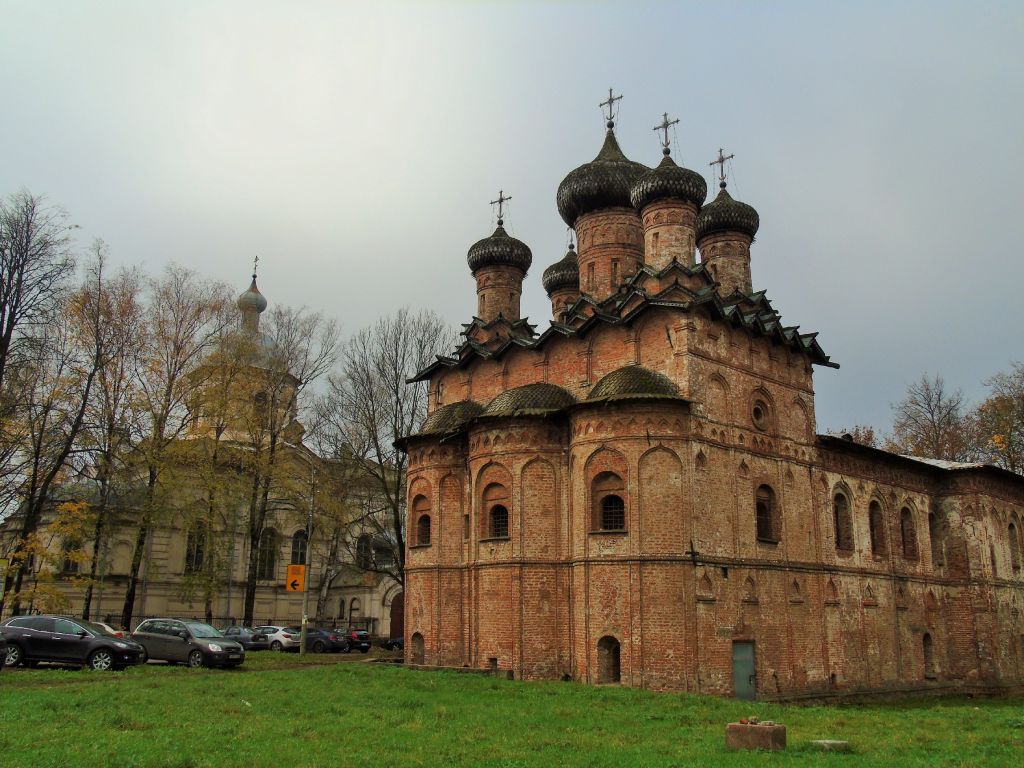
[296, 581]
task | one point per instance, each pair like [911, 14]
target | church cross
[721, 163]
[255, 261]
[500, 202]
[665, 125]
[611, 105]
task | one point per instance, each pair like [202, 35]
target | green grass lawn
[287, 711]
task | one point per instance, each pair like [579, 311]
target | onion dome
[532, 399]
[450, 418]
[666, 181]
[724, 214]
[602, 183]
[633, 381]
[252, 299]
[563, 274]
[500, 249]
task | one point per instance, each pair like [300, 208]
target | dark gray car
[248, 637]
[64, 640]
[187, 642]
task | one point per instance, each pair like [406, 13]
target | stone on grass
[755, 736]
[831, 745]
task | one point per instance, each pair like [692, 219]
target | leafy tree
[1000, 419]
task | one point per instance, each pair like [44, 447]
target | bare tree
[184, 318]
[1000, 419]
[931, 421]
[862, 434]
[36, 267]
[295, 349]
[367, 408]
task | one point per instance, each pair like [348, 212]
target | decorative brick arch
[494, 501]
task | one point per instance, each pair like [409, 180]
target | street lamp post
[308, 559]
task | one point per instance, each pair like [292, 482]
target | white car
[281, 638]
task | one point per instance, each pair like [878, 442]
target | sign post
[296, 580]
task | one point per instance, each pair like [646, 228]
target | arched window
[499, 522]
[929, 655]
[341, 608]
[876, 524]
[423, 530]
[608, 666]
[613, 513]
[935, 539]
[364, 552]
[300, 543]
[843, 523]
[354, 609]
[495, 518]
[195, 550]
[421, 518]
[907, 534]
[1014, 549]
[266, 558]
[607, 492]
[768, 518]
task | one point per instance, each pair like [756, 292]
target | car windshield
[293, 630]
[98, 628]
[202, 630]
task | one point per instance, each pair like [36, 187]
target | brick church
[638, 495]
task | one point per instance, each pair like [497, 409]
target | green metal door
[744, 681]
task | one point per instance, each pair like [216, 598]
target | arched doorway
[416, 652]
[608, 668]
[397, 616]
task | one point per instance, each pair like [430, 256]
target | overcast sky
[355, 148]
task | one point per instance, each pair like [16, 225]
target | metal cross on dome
[610, 104]
[721, 163]
[665, 125]
[255, 262]
[500, 202]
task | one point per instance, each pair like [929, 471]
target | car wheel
[319, 647]
[346, 648]
[101, 660]
[365, 650]
[195, 659]
[143, 657]
[14, 655]
[276, 646]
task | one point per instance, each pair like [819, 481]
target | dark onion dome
[563, 274]
[602, 183]
[724, 214]
[532, 399]
[667, 181]
[500, 249]
[252, 299]
[633, 381]
[450, 418]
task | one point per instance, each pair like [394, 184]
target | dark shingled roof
[500, 248]
[530, 399]
[602, 183]
[450, 418]
[666, 181]
[633, 381]
[723, 214]
[563, 274]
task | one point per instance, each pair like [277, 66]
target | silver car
[281, 638]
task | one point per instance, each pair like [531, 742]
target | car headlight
[215, 648]
[120, 645]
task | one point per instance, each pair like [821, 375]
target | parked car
[281, 638]
[109, 629]
[394, 644]
[358, 640]
[326, 641]
[3, 652]
[188, 642]
[60, 639]
[248, 638]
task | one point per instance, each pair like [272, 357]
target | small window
[364, 552]
[1014, 549]
[876, 524]
[767, 513]
[499, 522]
[759, 414]
[908, 535]
[843, 523]
[465, 528]
[195, 550]
[423, 530]
[613, 513]
[300, 543]
[266, 559]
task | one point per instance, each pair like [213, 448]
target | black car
[3, 652]
[358, 640]
[60, 639]
[248, 638]
[394, 644]
[189, 642]
[326, 641]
